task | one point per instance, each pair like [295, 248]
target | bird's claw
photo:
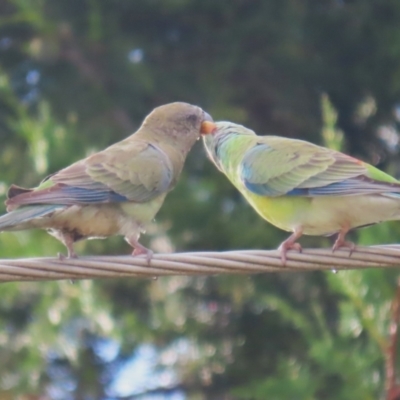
[286, 246]
[62, 257]
[342, 243]
[143, 251]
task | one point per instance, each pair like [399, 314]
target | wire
[201, 263]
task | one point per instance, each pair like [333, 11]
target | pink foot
[141, 250]
[290, 244]
[68, 241]
[339, 243]
[69, 256]
[286, 246]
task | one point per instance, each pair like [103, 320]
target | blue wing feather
[343, 177]
[66, 195]
[23, 214]
[82, 195]
[348, 187]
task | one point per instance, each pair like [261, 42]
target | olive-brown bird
[117, 191]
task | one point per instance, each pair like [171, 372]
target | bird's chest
[285, 213]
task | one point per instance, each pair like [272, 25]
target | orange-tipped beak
[207, 127]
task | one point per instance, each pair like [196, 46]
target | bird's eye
[192, 118]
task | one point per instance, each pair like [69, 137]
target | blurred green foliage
[78, 75]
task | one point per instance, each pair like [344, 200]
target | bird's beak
[208, 125]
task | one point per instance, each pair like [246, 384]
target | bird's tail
[15, 220]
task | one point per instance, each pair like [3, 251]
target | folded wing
[133, 171]
[277, 167]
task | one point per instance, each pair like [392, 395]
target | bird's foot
[69, 256]
[340, 242]
[290, 244]
[142, 250]
[139, 249]
[147, 252]
[286, 246]
[68, 241]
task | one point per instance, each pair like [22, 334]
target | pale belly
[103, 220]
[325, 215]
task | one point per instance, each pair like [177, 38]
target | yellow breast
[283, 212]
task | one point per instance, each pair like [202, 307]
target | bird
[117, 191]
[301, 187]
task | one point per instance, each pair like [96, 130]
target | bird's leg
[341, 242]
[68, 242]
[138, 248]
[290, 243]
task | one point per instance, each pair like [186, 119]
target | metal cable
[201, 263]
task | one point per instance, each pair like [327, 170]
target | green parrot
[117, 191]
[301, 187]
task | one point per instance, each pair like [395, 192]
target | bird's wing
[134, 171]
[278, 166]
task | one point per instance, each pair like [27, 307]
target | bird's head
[221, 132]
[179, 124]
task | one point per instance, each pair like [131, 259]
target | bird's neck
[172, 148]
[228, 151]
